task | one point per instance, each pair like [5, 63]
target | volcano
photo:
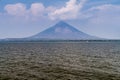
[62, 31]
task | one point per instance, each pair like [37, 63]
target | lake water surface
[60, 61]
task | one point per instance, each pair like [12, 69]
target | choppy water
[60, 61]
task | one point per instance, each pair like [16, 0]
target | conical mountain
[62, 31]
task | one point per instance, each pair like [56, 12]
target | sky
[23, 18]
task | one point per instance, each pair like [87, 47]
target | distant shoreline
[34, 41]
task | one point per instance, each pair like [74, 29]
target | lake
[60, 61]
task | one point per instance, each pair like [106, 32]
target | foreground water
[60, 61]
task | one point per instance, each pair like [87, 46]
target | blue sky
[23, 18]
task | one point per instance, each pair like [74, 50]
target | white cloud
[35, 12]
[18, 9]
[37, 9]
[69, 11]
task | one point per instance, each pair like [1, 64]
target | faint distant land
[62, 31]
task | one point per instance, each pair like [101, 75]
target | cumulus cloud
[35, 12]
[69, 11]
[37, 9]
[18, 9]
